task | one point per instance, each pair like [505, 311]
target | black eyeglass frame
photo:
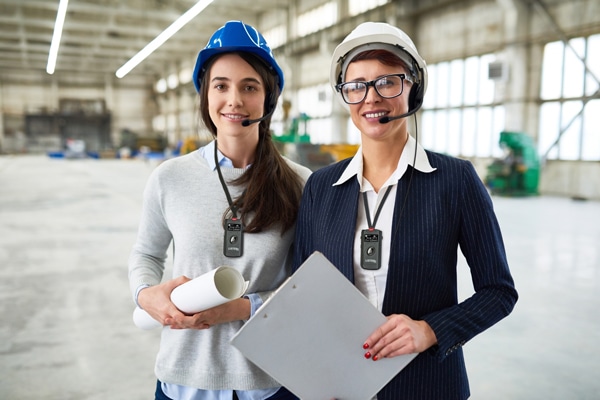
[340, 86]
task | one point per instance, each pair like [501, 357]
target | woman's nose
[372, 95]
[235, 98]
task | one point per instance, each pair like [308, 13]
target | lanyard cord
[233, 207]
[366, 203]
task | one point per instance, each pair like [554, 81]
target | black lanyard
[370, 239]
[366, 203]
[233, 241]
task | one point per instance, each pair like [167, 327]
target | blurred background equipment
[296, 145]
[517, 174]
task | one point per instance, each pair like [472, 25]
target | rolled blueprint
[209, 290]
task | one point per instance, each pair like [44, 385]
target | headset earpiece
[415, 98]
[271, 102]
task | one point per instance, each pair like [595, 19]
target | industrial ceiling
[99, 36]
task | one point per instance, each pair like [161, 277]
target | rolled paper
[143, 320]
[209, 290]
[206, 291]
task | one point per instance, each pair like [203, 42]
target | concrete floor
[66, 228]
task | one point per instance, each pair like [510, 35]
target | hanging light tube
[162, 38]
[58, 29]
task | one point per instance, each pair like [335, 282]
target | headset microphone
[385, 120]
[248, 122]
[271, 105]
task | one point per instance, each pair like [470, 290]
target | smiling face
[366, 114]
[235, 92]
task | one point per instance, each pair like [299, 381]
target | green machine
[518, 173]
[293, 134]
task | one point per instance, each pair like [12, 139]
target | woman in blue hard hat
[232, 202]
[393, 217]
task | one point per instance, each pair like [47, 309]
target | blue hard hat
[236, 36]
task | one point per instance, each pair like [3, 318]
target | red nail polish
[375, 358]
[366, 346]
[367, 355]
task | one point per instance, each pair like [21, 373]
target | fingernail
[366, 346]
[367, 355]
[375, 358]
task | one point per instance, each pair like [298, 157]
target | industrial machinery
[295, 144]
[517, 174]
[293, 134]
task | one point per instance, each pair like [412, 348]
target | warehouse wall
[515, 31]
[130, 106]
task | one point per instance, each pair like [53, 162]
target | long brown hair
[273, 189]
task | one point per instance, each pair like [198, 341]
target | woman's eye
[354, 87]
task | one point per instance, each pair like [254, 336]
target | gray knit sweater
[184, 204]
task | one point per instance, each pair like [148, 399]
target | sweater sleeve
[147, 258]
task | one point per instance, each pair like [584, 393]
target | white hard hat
[381, 36]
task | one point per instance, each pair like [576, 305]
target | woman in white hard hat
[393, 217]
[238, 180]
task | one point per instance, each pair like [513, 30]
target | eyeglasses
[387, 86]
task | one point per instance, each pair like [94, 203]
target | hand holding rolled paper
[209, 290]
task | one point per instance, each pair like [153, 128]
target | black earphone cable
[232, 205]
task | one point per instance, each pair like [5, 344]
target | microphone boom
[386, 119]
[248, 122]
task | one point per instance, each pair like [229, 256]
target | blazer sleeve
[481, 243]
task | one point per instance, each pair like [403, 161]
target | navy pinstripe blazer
[445, 209]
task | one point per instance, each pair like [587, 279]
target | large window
[570, 110]
[459, 115]
[356, 7]
[316, 103]
[317, 18]
[276, 36]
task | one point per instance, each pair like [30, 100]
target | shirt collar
[355, 167]
[208, 153]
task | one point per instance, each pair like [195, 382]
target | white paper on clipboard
[309, 336]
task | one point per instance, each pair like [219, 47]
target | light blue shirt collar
[208, 153]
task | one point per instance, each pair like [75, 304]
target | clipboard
[309, 334]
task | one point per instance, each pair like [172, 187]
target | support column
[109, 104]
[516, 58]
[1, 117]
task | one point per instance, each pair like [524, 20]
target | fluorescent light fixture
[161, 85]
[58, 28]
[185, 75]
[163, 37]
[172, 81]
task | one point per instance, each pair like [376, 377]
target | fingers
[378, 340]
[156, 300]
[201, 320]
[397, 336]
[180, 280]
[165, 310]
[188, 322]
